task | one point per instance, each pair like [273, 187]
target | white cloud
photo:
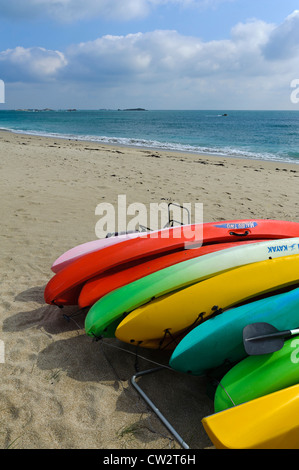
[168, 55]
[283, 42]
[32, 64]
[165, 66]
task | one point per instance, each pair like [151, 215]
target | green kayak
[257, 376]
[104, 316]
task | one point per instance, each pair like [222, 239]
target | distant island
[43, 110]
[71, 110]
[35, 110]
[132, 109]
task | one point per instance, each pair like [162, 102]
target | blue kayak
[219, 340]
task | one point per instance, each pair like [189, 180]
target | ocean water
[262, 135]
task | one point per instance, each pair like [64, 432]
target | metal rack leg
[153, 406]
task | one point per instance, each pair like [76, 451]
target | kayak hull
[98, 286]
[268, 422]
[181, 311]
[120, 302]
[219, 340]
[62, 288]
[256, 376]
[89, 247]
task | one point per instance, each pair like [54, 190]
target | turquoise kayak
[219, 340]
[256, 376]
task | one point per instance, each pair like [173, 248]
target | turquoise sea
[262, 135]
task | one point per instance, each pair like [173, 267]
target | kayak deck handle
[236, 234]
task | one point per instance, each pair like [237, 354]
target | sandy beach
[61, 390]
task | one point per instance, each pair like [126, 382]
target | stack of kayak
[192, 289]
[257, 401]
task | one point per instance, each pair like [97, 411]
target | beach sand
[59, 389]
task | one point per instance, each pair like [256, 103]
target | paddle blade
[256, 340]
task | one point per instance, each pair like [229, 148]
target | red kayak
[101, 285]
[64, 288]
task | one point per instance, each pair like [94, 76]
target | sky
[155, 54]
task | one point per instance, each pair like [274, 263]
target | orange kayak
[65, 286]
[98, 286]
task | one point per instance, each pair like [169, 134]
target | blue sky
[157, 54]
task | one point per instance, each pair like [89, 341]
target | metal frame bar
[170, 221]
[153, 406]
[148, 229]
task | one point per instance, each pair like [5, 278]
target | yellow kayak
[174, 314]
[268, 422]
